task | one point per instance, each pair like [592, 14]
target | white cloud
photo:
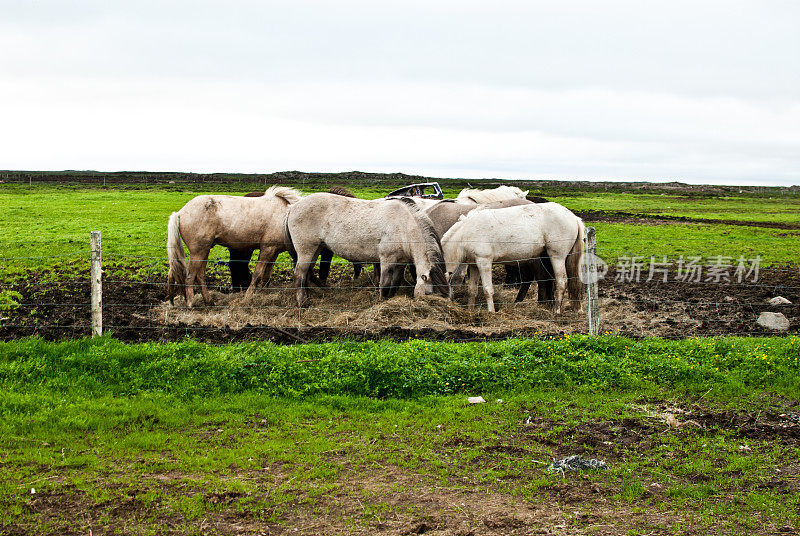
[627, 90]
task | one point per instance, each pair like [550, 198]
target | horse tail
[575, 261]
[176, 277]
[287, 238]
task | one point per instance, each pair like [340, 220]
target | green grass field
[370, 437]
[96, 436]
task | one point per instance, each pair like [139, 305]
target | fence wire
[633, 301]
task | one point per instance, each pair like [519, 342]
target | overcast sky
[695, 91]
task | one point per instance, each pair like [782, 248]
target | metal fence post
[593, 305]
[97, 285]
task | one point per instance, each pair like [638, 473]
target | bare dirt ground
[137, 311]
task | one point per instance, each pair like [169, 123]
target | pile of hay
[357, 304]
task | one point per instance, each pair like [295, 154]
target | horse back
[354, 229]
[232, 221]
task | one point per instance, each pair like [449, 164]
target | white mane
[501, 193]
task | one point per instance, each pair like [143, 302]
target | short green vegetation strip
[400, 370]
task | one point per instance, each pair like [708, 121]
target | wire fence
[670, 296]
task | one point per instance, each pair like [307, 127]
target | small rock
[729, 299]
[779, 300]
[776, 321]
[476, 400]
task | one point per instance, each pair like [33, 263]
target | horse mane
[501, 193]
[433, 246]
[290, 195]
[341, 190]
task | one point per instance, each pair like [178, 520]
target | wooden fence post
[593, 305]
[97, 285]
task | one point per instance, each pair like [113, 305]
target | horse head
[423, 286]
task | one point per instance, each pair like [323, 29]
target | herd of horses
[441, 241]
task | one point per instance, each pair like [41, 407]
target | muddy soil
[136, 310]
[647, 219]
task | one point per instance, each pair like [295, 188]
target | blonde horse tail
[575, 285]
[287, 238]
[176, 277]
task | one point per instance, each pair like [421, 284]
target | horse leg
[387, 276]
[545, 280]
[485, 270]
[302, 269]
[525, 273]
[263, 271]
[376, 273]
[472, 287]
[560, 276]
[398, 277]
[357, 267]
[514, 275]
[325, 258]
[197, 273]
[301, 281]
[240, 269]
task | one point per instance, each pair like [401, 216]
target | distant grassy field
[44, 221]
[778, 210]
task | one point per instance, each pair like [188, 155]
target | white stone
[774, 321]
[476, 400]
[779, 300]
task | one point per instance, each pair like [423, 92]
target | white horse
[512, 235]
[239, 223]
[480, 197]
[390, 231]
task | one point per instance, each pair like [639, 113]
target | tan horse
[243, 223]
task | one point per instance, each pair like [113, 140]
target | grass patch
[36, 232]
[401, 370]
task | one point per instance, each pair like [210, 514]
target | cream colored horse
[516, 235]
[230, 221]
[392, 232]
[480, 197]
